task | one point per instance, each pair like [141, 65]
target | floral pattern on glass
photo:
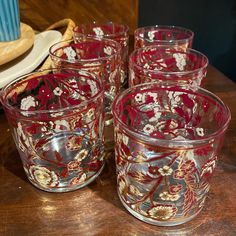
[109, 30]
[165, 155]
[97, 55]
[171, 36]
[163, 63]
[57, 123]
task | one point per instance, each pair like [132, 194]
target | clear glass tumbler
[57, 119]
[99, 56]
[163, 35]
[167, 137]
[109, 30]
[155, 63]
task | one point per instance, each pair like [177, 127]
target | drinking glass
[167, 138]
[155, 63]
[57, 119]
[99, 56]
[163, 35]
[109, 30]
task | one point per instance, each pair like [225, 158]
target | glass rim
[162, 27]
[101, 24]
[52, 52]
[3, 94]
[161, 49]
[176, 143]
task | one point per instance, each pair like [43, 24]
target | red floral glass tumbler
[57, 123]
[155, 63]
[109, 30]
[163, 35]
[167, 141]
[99, 56]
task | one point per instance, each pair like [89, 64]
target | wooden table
[96, 209]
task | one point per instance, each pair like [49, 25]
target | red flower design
[188, 166]
[33, 129]
[153, 171]
[179, 174]
[203, 151]
[44, 94]
[175, 188]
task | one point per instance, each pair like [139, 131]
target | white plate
[30, 60]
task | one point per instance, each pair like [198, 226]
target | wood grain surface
[42, 13]
[96, 209]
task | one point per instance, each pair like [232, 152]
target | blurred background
[213, 21]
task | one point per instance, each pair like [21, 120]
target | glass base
[156, 222]
[69, 189]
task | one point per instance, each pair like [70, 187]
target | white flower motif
[157, 115]
[93, 87]
[174, 98]
[98, 31]
[70, 53]
[148, 129]
[57, 91]
[165, 170]
[43, 176]
[174, 197]
[180, 60]
[165, 196]
[74, 165]
[28, 102]
[81, 155]
[139, 98]
[162, 212]
[108, 50]
[73, 144]
[154, 96]
[73, 83]
[146, 66]
[200, 132]
[60, 125]
[151, 35]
